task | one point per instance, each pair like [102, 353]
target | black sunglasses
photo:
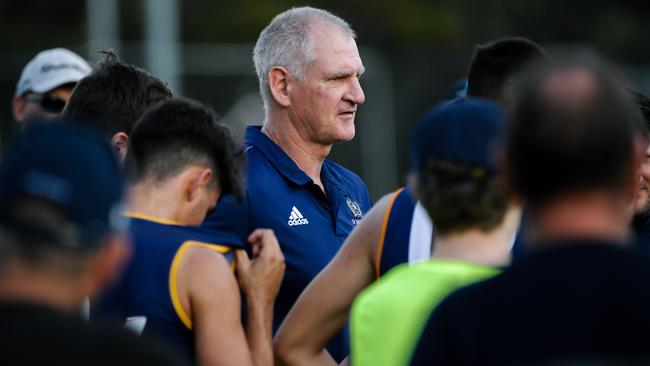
[48, 102]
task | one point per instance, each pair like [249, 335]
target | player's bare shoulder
[372, 226]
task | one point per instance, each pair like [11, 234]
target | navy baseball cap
[71, 170]
[463, 130]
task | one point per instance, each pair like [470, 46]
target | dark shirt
[39, 335]
[641, 227]
[573, 301]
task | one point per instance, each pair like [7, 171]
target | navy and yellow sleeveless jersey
[406, 233]
[145, 299]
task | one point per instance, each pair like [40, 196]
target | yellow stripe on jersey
[137, 215]
[382, 237]
[173, 276]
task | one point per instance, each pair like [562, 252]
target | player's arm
[260, 280]
[323, 308]
[214, 300]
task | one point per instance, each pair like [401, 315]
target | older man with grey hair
[308, 67]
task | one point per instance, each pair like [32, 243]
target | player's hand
[261, 276]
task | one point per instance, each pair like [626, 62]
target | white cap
[50, 69]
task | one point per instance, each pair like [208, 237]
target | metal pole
[162, 47]
[102, 26]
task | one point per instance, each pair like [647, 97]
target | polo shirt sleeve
[231, 217]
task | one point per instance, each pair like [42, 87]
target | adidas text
[295, 222]
[296, 218]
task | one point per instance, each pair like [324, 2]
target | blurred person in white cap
[46, 83]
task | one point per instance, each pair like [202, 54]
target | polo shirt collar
[329, 174]
[278, 158]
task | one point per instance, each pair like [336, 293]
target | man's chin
[342, 137]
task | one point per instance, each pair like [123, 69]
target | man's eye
[340, 77]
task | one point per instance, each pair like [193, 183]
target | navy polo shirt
[309, 224]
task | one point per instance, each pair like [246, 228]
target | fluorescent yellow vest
[388, 317]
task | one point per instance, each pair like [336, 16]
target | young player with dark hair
[113, 97]
[180, 287]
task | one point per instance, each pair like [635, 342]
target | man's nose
[355, 92]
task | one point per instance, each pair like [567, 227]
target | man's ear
[279, 78]
[18, 107]
[197, 178]
[120, 143]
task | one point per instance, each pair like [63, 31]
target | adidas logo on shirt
[296, 218]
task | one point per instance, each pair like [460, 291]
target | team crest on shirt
[355, 209]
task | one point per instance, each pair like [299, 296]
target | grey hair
[288, 42]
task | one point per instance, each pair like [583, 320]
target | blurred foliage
[41, 24]
[426, 43]
[616, 27]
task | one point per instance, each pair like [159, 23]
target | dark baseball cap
[73, 171]
[464, 130]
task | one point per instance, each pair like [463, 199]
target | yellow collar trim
[137, 215]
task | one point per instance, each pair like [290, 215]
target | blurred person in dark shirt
[61, 241]
[573, 152]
